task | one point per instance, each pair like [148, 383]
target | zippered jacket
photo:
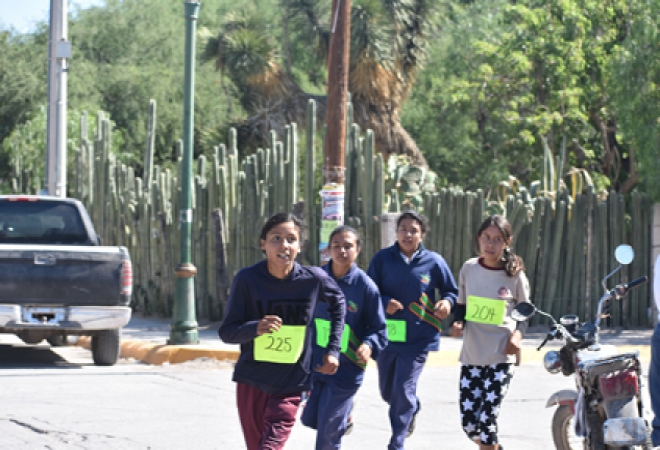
[414, 285]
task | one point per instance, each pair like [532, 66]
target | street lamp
[184, 324]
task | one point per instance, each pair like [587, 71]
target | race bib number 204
[485, 310]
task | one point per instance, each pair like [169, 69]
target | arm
[459, 309]
[374, 271]
[390, 305]
[235, 327]
[522, 295]
[332, 294]
[374, 316]
[447, 288]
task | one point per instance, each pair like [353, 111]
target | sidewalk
[145, 339]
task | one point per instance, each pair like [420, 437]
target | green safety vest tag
[323, 334]
[485, 310]
[283, 346]
[396, 330]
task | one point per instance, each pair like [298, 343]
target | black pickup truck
[57, 280]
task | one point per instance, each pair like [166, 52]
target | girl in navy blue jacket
[408, 276]
[270, 313]
[365, 335]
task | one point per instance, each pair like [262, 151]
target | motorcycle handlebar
[638, 281]
[545, 341]
[622, 289]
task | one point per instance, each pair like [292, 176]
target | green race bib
[485, 310]
[323, 334]
[283, 346]
[396, 330]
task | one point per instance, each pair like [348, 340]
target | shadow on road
[22, 356]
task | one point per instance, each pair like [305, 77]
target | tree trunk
[389, 136]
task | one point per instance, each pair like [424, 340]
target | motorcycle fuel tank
[596, 352]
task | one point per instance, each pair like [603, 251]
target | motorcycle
[605, 410]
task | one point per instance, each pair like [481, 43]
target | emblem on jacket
[504, 293]
[351, 306]
[425, 278]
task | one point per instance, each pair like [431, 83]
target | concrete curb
[158, 354]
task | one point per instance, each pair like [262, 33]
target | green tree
[388, 42]
[516, 74]
[124, 53]
[635, 95]
[25, 151]
[131, 51]
[22, 84]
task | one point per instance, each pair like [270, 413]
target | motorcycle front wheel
[563, 430]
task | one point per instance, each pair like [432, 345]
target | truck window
[41, 222]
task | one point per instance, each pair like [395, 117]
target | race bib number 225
[283, 346]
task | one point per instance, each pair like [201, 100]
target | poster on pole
[332, 215]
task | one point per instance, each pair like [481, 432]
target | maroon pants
[267, 420]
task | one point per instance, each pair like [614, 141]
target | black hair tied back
[512, 262]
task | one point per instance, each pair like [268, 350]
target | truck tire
[58, 340]
[105, 347]
[563, 432]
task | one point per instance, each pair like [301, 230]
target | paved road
[58, 399]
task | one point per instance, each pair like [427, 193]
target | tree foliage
[388, 39]
[507, 76]
[124, 53]
[480, 90]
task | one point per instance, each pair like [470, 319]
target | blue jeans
[654, 384]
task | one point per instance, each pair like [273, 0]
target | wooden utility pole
[338, 60]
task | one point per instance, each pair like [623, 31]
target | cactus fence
[567, 243]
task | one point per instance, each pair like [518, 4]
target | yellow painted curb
[152, 353]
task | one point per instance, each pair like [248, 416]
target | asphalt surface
[199, 377]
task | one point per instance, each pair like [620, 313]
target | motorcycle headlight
[552, 362]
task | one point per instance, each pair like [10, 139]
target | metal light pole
[184, 324]
[59, 50]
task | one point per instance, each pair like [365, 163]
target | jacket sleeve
[235, 328]
[375, 273]
[447, 285]
[374, 315]
[332, 294]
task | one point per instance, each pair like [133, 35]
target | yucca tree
[388, 40]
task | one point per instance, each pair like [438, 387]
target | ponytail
[512, 262]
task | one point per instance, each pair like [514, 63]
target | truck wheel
[58, 340]
[105, 347]
[563, 430]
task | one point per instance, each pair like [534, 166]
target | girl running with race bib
[489, 287]
[270, 313]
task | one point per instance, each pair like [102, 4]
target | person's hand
[330, 365]
[393, 306]
[513, 346]
[268, 325]
[456, 329]
[363, 353]
[442, 309]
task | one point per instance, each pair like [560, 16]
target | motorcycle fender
[563, 397]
